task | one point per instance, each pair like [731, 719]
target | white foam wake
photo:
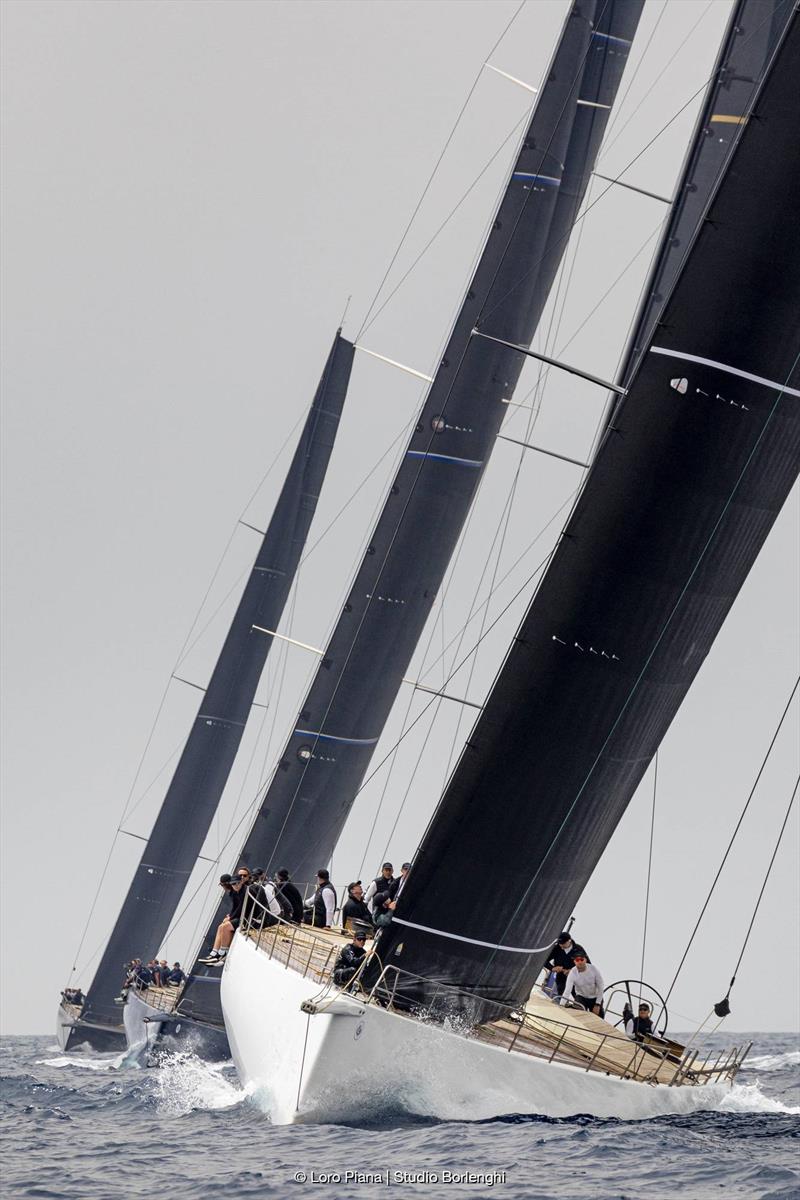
[87, 1064]
[749, 1098]
[184, 1083]
[773, 1062]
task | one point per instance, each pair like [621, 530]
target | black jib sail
[208, 755]
[694, 466]
[344, 713]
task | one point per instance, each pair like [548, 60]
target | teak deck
[542, 1029]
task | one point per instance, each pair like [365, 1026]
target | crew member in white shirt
[585, 985]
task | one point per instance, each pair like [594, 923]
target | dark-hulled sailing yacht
[208, 755]
[699, 452]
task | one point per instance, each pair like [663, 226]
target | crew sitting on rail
[323, 903]
[290, 893]
[350, 959]
[354, 908]
[73, 996]
[235, 889]
[176, 976]
[585, 983]
[561, 960]
[641, 1026]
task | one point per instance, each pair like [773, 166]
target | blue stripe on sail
[607, 37]
[460, 462]
[329, 737]
[547, 180]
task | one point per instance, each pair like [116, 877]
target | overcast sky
[191, 193]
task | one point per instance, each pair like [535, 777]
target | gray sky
[191, 192]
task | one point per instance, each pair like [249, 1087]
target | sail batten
[196, 788]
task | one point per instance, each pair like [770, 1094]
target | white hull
[360, 1058]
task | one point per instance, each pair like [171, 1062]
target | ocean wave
[773, 1062]
[85, 1063]
[749, 1098]
[183, 1083]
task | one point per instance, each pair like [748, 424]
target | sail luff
[680, 498]
[198, 782]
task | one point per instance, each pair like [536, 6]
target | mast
[694, 467]
[341, 720]
[201, 774]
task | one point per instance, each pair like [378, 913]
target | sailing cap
[387, 867]
[406, 867]
[282, 874]
[225, 879]
[564, 937]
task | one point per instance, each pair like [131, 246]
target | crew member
[290, 893]
[235, 890]
[561, 959]
[354, 907]
[350, 959]
[323, 902]
[641, 1026]
[585, 983]
[383, 883]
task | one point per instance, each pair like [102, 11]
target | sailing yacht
[305, 805]
[199, 779]
[699, 451]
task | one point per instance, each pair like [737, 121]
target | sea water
[90, 1127]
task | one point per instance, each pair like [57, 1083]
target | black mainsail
[204, 766]
[752, 34]
[695, 464]
[324, 763]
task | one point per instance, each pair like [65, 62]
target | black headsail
[694, 467]
[208, 755]
[325, 761]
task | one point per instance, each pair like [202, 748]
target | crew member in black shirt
[562, 959]
[641, 1026]
[350, 959]
[290, 893]
[354, 907]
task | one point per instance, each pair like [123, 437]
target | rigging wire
[758, 901]
[619, 105]
[367, 322]
[649, 863]
[632, 161]
[613, 141]
[734, 835]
